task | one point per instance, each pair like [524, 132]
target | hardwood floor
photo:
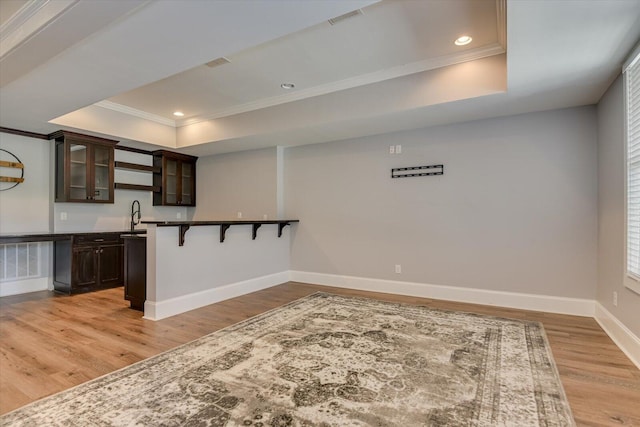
[49, 343]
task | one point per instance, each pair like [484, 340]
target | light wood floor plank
[50, 342]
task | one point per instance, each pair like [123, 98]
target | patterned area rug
[327, 360]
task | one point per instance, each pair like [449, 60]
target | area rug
[328, 360]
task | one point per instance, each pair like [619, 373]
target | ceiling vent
[217, 62]
[334, 21]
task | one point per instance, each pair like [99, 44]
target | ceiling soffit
[490, 41]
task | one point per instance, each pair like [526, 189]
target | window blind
[632, 82]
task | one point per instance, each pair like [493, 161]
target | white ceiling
[386, 40]
[393, 67]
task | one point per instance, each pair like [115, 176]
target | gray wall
[244, 182]
[25, 208]
[516, 209]
[611, 226]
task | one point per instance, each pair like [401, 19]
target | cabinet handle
[101, 250]
[98, 240]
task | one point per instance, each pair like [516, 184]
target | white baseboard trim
[628, 342]
[546, 303]
[162, 309]
[24, 286]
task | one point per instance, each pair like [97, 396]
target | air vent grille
[334, 21]
[19, 261]
[217, 62]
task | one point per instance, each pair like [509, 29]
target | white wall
[516, 209]
[244, 182]
[611, 228]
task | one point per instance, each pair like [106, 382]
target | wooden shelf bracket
[183, 231]
[282, 225]
[254, 233]
[223, 231]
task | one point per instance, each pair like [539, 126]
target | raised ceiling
[122, 68]
[386, 40]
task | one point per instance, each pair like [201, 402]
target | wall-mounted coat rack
[417, 171]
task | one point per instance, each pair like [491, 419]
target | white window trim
[631, 281]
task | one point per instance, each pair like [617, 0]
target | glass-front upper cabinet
[84, 168]
[176, 179]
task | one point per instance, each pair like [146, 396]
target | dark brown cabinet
[135, 271]
[84, 168]
[176, 179]
[88, 262]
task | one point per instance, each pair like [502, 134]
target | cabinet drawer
[98, 239]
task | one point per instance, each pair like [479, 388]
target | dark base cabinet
[135, 271]
[88, 262]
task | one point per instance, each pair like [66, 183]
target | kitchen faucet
[135, 221]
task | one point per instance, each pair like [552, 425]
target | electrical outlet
[265, 216]
[239, 214]
[615, 298]
[392, 149]
[398, 149]
[178, 215]
[398, 269]
[63, 216]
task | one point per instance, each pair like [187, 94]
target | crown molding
[501, 21]
[135, 112]
[29, 20]
[365, 79]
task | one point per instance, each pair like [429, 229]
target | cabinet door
[135, 271]
[170, 188]
[79, 171]
[85, 266]
[111, 265]
[102, 173]
[188, 184]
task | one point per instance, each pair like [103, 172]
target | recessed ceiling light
[178, 113]
[287, 86]
[463, 40]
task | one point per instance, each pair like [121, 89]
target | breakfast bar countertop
[224, 226]
[220, 222]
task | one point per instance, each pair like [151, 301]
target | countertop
[184, 226]
[50, 237]
[217, 222]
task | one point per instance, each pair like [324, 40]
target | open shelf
[136, 167]
[122, 186]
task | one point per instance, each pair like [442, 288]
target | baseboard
[24, 286]
[628, 342]
[545, 303]
[163, 309]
